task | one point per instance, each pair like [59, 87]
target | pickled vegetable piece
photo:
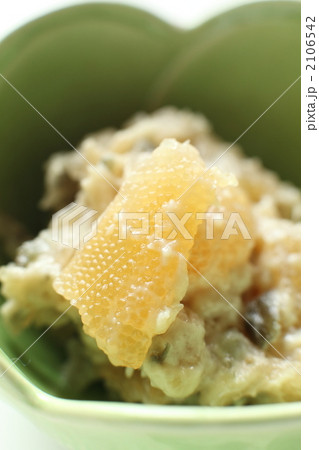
[262, 319]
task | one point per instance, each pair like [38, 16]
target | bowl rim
[146, 413]
[134, 412]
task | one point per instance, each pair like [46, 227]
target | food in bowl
[189, 290]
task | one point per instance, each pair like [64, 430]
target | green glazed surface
[94, 65]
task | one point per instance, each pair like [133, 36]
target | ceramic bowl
[94, 65]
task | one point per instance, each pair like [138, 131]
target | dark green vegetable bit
[262, 319]
[160, 356]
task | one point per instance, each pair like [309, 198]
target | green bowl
[94, 65]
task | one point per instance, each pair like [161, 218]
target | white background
[14, 13]
[15, 431]
[310, 247]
